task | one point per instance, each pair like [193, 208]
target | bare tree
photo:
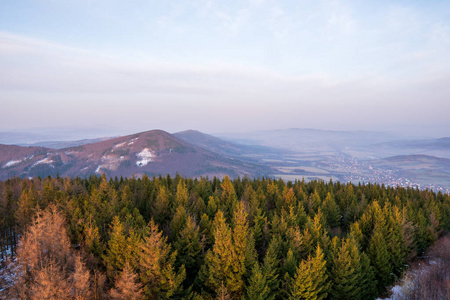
[127, 286]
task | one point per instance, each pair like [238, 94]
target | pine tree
[178, 222]
[157, 265]
[271, 266]
[222, 267]
[311, 279]
[258, 288]
[161, 206]
[182, 195]
[120, 248]
[345, 270]
[331, 211]
[26, 209]
[368, 283]
[258, 229]
[228, 198]
[313, 202]
[380, 259]
[243, 242]
[188, 246]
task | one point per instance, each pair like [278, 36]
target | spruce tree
[157, 266]
[189, 247]
[220, 263]
[311, 279]
[345, 271]
[380, 259]
[258, 288]
[331, 211]
[228, 198]
[270, 268]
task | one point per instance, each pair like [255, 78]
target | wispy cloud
[284, 63]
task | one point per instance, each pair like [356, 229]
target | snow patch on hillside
[131, 142]
[145, 157]
[119, 145]
[110, 162]
[43, 161]
[12, 163]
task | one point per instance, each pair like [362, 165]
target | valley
[292, 154]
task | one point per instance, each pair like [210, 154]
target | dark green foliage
[242, 238]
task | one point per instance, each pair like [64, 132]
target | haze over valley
[291, 154]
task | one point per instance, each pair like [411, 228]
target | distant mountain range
[356, 156]
[153, 152]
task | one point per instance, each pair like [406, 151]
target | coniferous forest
[182, 238]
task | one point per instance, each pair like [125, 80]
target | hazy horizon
[235, 67]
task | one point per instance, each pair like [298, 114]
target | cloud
[259, 64]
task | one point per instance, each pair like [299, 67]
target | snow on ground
[118, 146]
[146, 156]
[43, 161]
[12, 163]
[8, 270]
[131, 142]
[109, 162]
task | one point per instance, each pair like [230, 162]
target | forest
[184, 238]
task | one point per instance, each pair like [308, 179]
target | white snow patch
[131, 142]
[43, 161]
[12, 163]
[119, 145]
[109, 162]
[146, 156]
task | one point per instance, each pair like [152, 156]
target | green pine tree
[311, 279]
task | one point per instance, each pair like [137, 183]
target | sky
[120, 67]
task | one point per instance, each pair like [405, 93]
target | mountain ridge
[151, 152]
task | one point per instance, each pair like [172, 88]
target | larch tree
[127, 286]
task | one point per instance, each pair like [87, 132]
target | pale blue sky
[225, 65]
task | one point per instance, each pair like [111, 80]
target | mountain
[65, 144]
[298, 139]
[152, 152]
[227, 148]
[433, 147]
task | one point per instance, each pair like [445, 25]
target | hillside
[153, 152]
[227, 148]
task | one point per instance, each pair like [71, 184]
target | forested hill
[182, 238]
[151, 152]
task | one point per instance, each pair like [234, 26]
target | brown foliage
[431, 280]
[127, 286]
[46, 265]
